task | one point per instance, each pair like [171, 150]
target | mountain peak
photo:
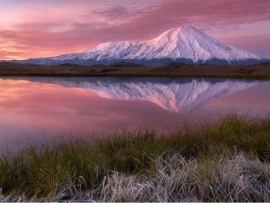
[187, 30]
[175, 32]
[183, 29]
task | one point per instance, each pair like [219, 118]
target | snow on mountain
[186, 44]
[180, 95]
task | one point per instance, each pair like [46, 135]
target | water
[36, 108]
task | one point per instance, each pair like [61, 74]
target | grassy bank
[227, 161]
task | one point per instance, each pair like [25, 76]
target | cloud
[82, 25]
[113, 12]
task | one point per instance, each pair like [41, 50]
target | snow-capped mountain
[187, 44]
[179, 95]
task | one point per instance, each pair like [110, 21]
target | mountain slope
[187, 44]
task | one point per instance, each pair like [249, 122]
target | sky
[31, 28]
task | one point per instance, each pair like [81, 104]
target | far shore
[258, 71]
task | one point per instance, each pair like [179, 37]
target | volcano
[181, 45]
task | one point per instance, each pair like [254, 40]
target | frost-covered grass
[227, 161]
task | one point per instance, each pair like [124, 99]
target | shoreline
[259, 71]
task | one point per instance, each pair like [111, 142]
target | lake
[38, 108]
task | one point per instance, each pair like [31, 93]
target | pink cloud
[80, 25]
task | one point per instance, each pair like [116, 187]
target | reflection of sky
[34, 109]
[28, 109]
[45, 28]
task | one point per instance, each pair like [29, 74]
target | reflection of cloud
[79, 25]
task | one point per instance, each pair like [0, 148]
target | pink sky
[31, 28]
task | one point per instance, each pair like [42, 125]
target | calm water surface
[36, 108]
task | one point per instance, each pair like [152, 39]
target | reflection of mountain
[179, 95]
